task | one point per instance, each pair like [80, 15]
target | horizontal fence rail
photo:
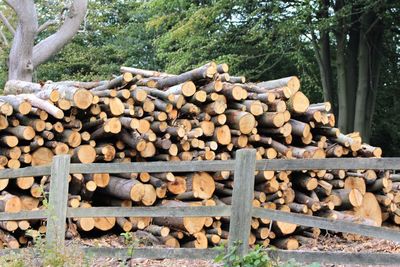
[27, 171]
[214, 166]
[201, 211]
[328, 224]
[240, 211]
[152, 167]
[329, 164]
[323, 257]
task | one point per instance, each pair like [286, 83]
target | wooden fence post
[58, 201]
[242, 200]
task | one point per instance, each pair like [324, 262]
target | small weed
[257, 257]
[131, 242]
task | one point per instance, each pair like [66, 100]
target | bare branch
[47, 24]
[55, 42]
[2, 35]
[11, 3]
[7, 23]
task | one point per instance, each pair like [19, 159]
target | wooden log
[84, 154]
[42, 156]
[349, 197]
[124, 224]
[200, 241]
[283, 228]
[101, 179]
[5, 108]
[78, 97]
[104, 223]
[369, 209]
[25, 183]
[305, 182]
[271, 119]
[44, 105]
[22, 132]
[9, 226]
[86, 224]
[125, 189]
[289, 243]
[370, 151]
[292, 82]
[9, 202]
[299, 128]
[215, 108]
[158, 230]
[142, 72]
[190, 224]
[298, 103]
[282, 149]
[9, 240]
[9, 140]
[206, 71]
[18, 104]
[242, 121]
[114, 83]
[222, 135]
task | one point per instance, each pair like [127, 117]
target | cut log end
[83, 98]
[369, 209]
[85, 154]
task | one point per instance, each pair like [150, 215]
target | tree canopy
[346, 52]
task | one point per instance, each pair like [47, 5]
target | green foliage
[261, 40]
[386, 123]
[257, 257]
[130, 242]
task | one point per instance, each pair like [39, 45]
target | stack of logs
[202, 114]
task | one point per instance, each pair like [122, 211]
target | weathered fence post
[242, 199]
[58, 201]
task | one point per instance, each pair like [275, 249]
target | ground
[326, 242]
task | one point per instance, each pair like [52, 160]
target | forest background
[346, 52]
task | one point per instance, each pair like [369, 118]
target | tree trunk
[376, 42]
[25, 56]
[351, 64]
[363, 77]
[341, 79]
[323, 55]
[20, 62]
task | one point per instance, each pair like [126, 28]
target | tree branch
[55, 42]
[47, 24]
[7, 23]
[2, 35]
[11, 3]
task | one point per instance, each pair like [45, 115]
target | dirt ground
[326, 242]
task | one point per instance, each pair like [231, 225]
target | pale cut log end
[42, 156]
[369, 209]
[83, 98]
[86, 154]
[355, 197]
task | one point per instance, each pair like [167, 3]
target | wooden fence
[241, 211]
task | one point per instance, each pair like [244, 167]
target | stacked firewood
[202, 114]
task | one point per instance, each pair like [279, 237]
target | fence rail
[240, 211]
